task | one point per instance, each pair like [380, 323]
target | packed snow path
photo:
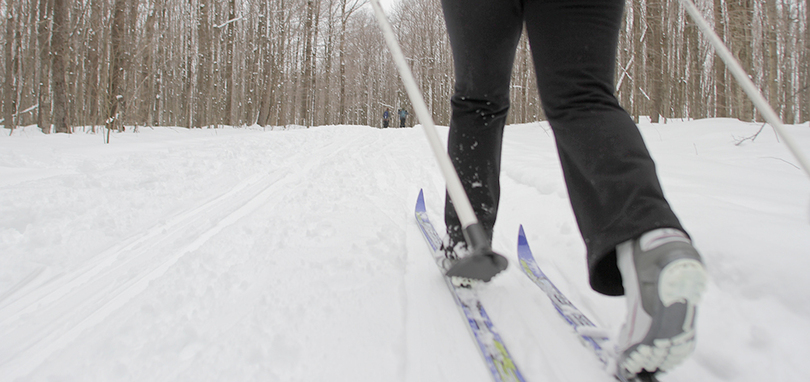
[245, 254]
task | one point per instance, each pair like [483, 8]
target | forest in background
[203, 63]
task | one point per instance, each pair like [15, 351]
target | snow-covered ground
[292, 255]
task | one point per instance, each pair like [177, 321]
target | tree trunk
[202, 103]
[327, 118]
[43, 88]
[342, 62]
[93, 81]
[721, 105]
[771, 52]
[697, 105]
[10, 101]
[277, 96]
[740, 15]
[305, 80]
[655, 50]
[228, 81]
[147, 93]
[639, 38]
[313, 78]
[115, 94]
[264, 51]
[59, 50]
[805, 65]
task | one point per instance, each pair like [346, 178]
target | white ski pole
[748, 86]
[476, 265]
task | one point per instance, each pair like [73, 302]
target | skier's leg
[613, 186]
[483, 35]
[611, 179]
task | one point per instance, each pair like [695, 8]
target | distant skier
[386, 118]
[403, 114]
[635, 244]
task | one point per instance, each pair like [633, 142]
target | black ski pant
[611, 179]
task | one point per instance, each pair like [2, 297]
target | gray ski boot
[663, 278]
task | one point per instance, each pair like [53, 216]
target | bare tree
[43, 44]
[656, 52]
[347, 8]
[228, 81]
[146, 75]
[59, 51]
[306, 79]
[93, 63]
[10, 101]
[115, 85]
[275, 62]
[804, 63]
[204, 66]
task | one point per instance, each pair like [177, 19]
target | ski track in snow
[242, 254]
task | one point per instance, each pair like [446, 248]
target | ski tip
[420, 201]
[482, 266]
[522, 241]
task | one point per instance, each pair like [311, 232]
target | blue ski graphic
[497, 357]
[591, 336]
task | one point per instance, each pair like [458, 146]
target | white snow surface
[245, 254]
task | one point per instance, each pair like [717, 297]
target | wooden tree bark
[696, 102]
[281, 65]
[329, 52]
[204, 66]
[228, 81]
[189, 99]
[639, 41]
[59, 51]
[279, 61]
[264, 52]
[771, 52]
[805, 65]
[787, 67]
[721, 100]
[146, 98]
[115, 85]
[10, 101]
[655, 51]
[92, 66]
[740, 19]
[44, 46]
[344, 16]
[272, 60]
[313, 67]
[307, 69]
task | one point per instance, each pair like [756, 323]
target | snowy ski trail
[243, 254]
[72, 303]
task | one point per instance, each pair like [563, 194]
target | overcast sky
[388, 4]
